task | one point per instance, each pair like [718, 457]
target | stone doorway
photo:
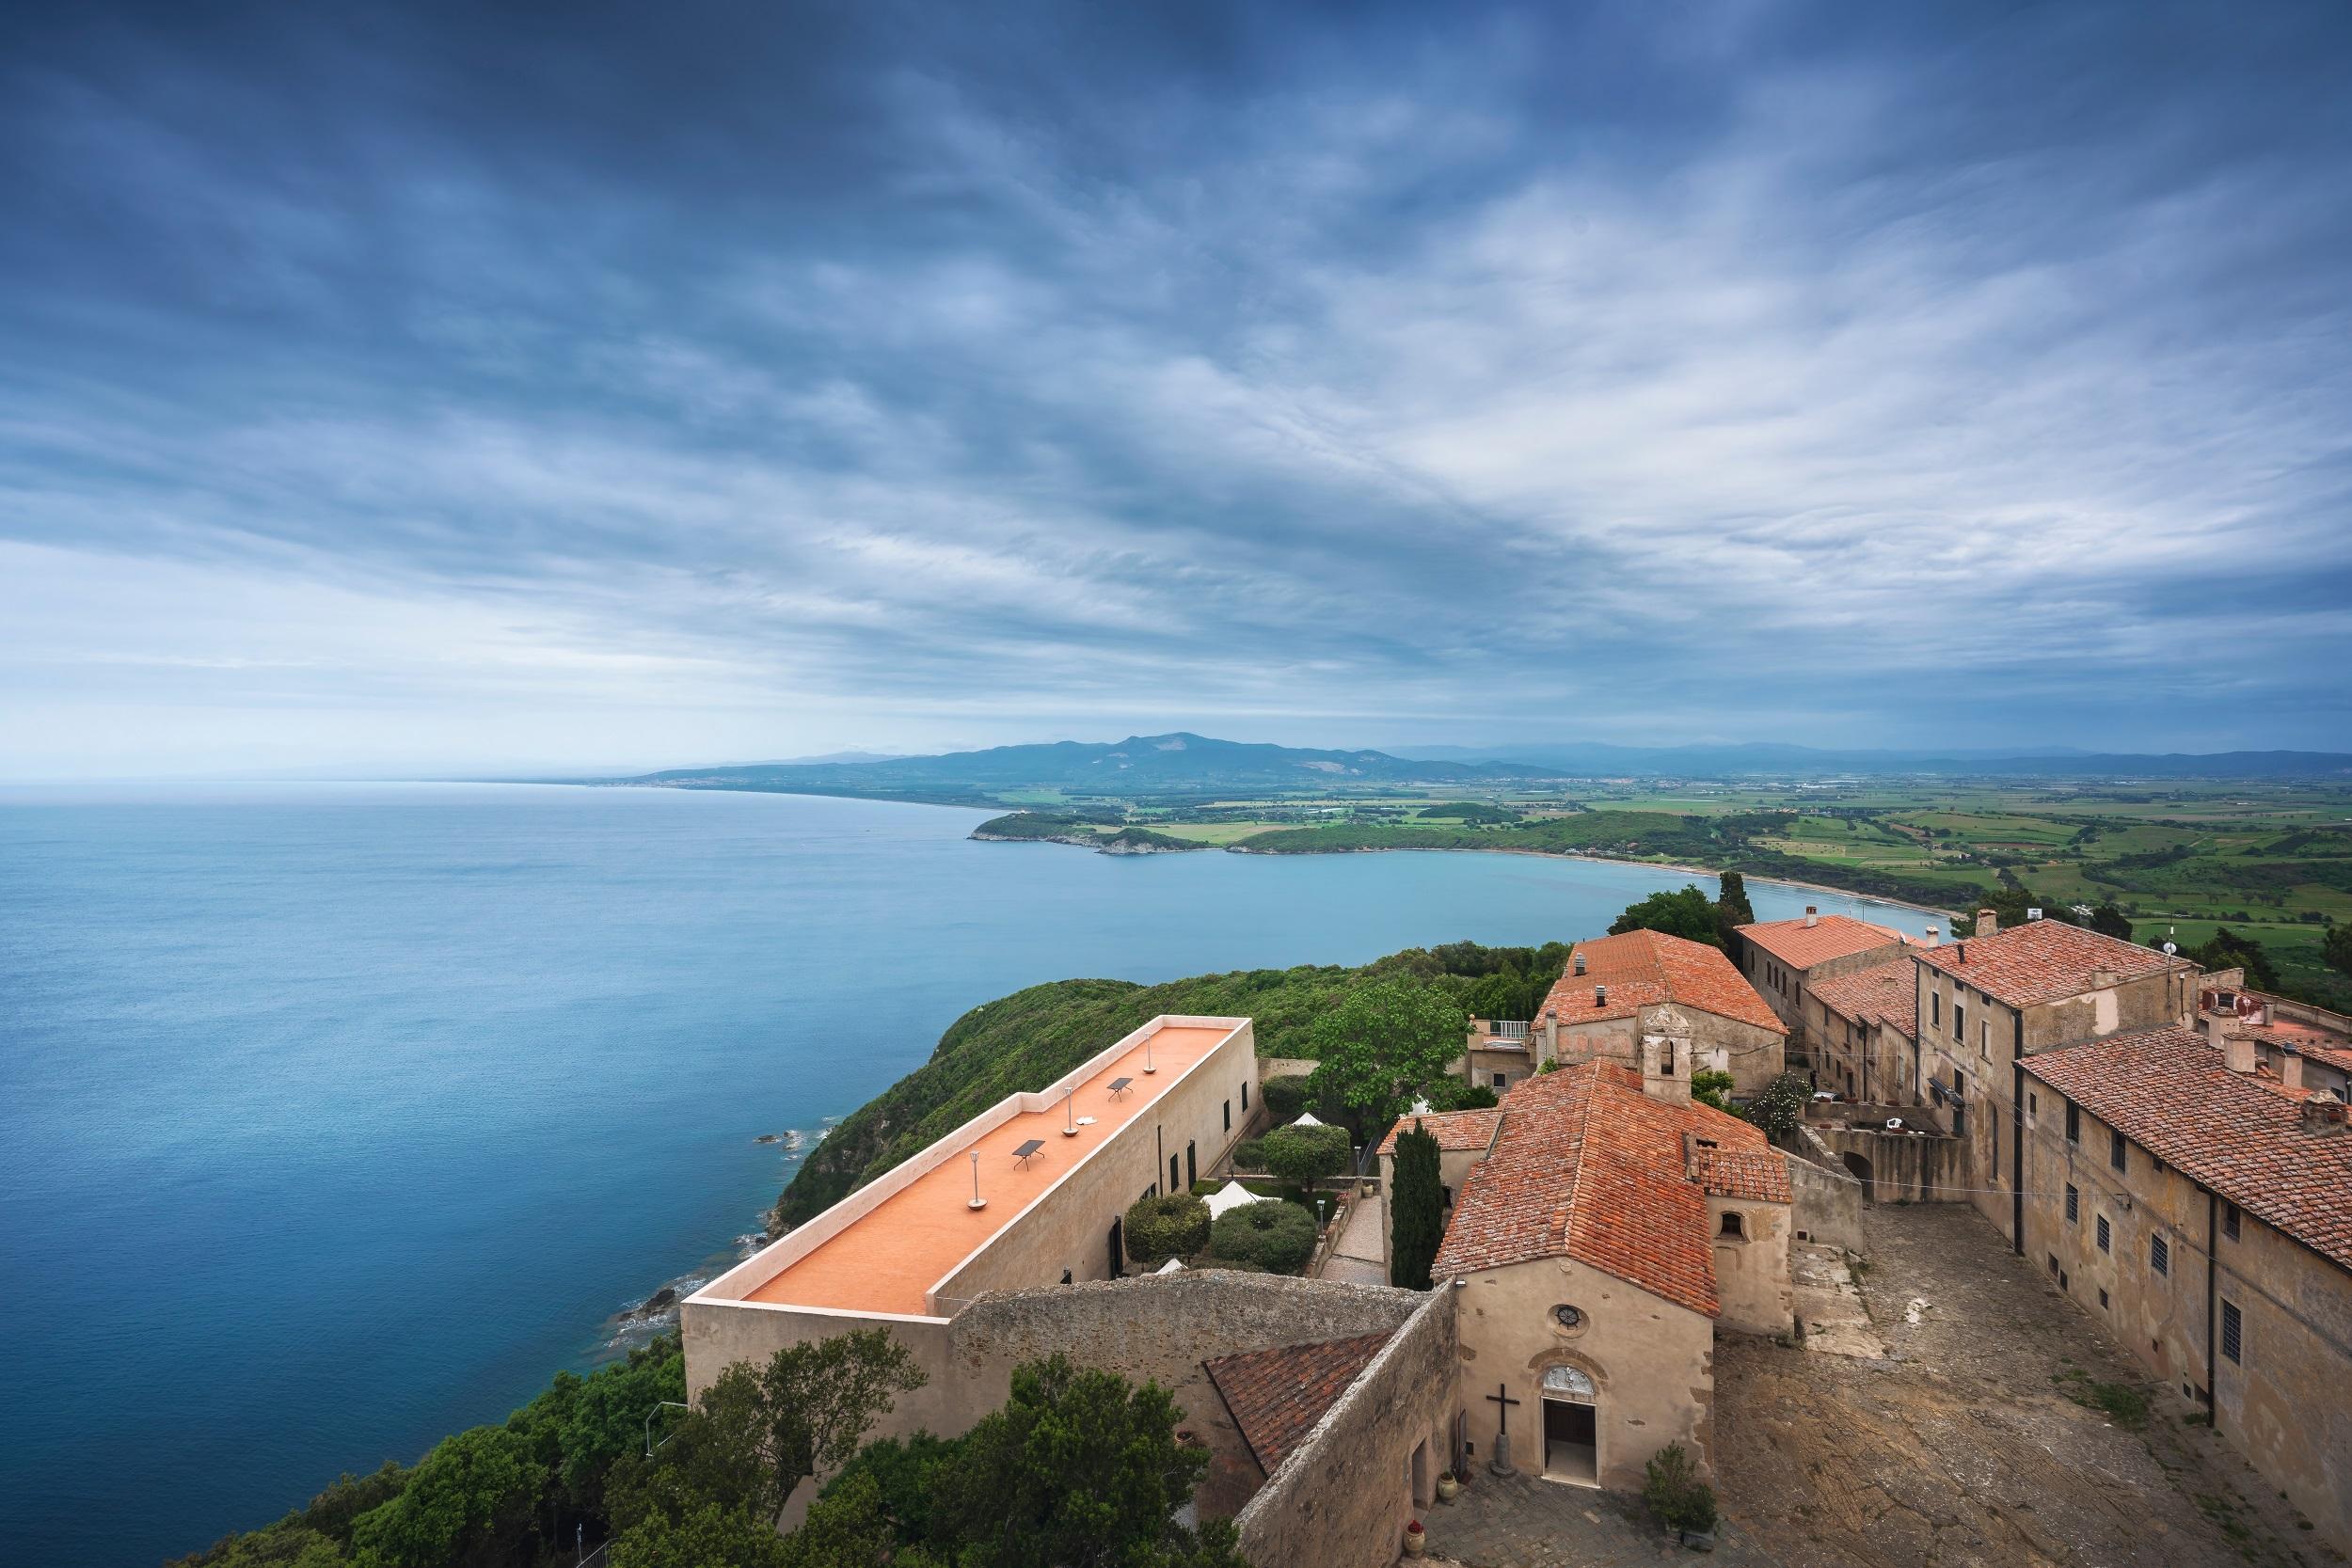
[1859, 1165]
[1571, 1427]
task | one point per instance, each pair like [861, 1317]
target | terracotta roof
[2044, 960]
[1761, 1174]
[2170, 1092]
[1588, 1166]
[1644, 967]
[1454, 1129]
[1830, 936]
[1277, 1396]
[1884, 993]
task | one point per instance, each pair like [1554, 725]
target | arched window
[1734, 1225]
[1567, 1383]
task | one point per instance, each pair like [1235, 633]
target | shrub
[1170, 1226]
[1672, 1487]
[1780, 1108]
[1712, 1088]
[1302, 1156]
[1278, 1236]
[1452, 1094]
[1249, 1154]
[1284, 1096]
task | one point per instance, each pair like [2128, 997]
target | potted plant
[1683, 1503]
[1447, 1486]
[1416, 1540]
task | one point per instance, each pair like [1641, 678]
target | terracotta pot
[1416, 1542]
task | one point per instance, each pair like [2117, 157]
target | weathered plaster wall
[1828, 1206]
[1904, 1167]
[1751, 1055]
[1342, 1500]
[1651, 1361]
[1752, 1269]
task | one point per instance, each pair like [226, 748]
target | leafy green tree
[2228, 950]
[1452, 1094]
[1712, 1088]
[1781, 1107]
[707, 1535]
[904, 1472]
[1686, 913]
[1285, 1096]
[2108, 921]
[1416, 1209]
[2337, 947]
[1277, 1236]
[1382, 1043]
[1173, 1225]
[1079, 1468]
[1301, 1156]
[467, 1505]
[1732, 908]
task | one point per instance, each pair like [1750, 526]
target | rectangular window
[2073, 1123]
[1984, 1037]
[2106, 1236]
[2103, 1298]
[2233, 1332]
[2229, 1220]
[1960, 1021]
[1935, 1007]
[1245, 1095]
[1501, 1079]
[2159, 1255]
[1228, 1115]
[2074, 1205]
[2115, 1152]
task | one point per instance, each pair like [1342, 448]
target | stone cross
[1503, 1401]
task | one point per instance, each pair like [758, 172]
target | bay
[336, 1117]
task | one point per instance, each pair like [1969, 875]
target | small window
[1960, 1020]
[2233, 1332]
[1502, 1080]
[1984, 1037]
[2033, 1102]
[2106, 1236]
[1936, 1008]
[1245, 1094]
[2229, 1220]
[2073, 1124]
[2103, 1298]
[2159, 1255]
[1734, 1225]
[1065, 1277]
[1228, 1115]
[2074, 1205]
[2053, 1265]
[2115, 1152]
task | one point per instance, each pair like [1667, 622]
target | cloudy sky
[478, 386]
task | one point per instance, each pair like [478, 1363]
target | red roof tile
[1585, 1165]
[2172, 1093]
[1454, 1129]
[1884, 993]
[1277, 1396]
[1761, 1174]
[2044, 960]
[1832, 935]
[1642, 969]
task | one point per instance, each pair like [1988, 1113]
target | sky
[441, 388]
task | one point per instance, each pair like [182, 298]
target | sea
[335, 1118]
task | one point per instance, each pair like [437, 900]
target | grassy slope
[1026, 1041]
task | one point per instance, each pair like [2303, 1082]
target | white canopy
[1306, 1119]
[1174, 1265]
[1231, 1196]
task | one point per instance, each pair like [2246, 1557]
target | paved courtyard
[1356, 1257]
[1519, 1522]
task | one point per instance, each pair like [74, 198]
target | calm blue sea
[334, 1117]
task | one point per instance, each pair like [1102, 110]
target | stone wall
[1828, 1206]
[1901, 1167]
[1342, 1497]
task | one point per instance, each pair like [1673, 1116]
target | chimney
[1812, 917]
[1987, 923]
[2290, 1068]
[2237, 1051]
[1932, 936]
[2323, 1118]
[1578, 962]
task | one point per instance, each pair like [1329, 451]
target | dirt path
[1960, 1445]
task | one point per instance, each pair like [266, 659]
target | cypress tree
[1416, 1212]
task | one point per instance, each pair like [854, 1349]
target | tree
[2228, 950]
[467, 1505]
[1452, 1094]
[707, 1535]
[1173, 1225]
[1416, 1209]
[1712, 1088]
[1285, 1096]
[1732, 908]
[1382, 1043]
[1686, 913]
[1672, 1487]
[1080, 1469]
[2108, 921]
[1277, 1236]
[2337, 947]
[1301, 1156]
[1779, 1109]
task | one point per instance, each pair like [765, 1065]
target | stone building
[1615, 990]
[1606, 1228]
[1784, 960]
[1866, 1030]
[1988, 1002]
[2200, 1211]
[2300, 1045]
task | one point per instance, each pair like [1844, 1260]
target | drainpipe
[2213, 1303]
[2017, 1132]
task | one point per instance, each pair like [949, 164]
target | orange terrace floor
[885, 1260]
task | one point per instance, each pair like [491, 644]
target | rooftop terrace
[887, 1248]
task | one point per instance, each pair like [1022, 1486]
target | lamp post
[978, 1201]
[1147, 1056]
[1069, 1110]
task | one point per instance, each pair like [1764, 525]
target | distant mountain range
[1139, 765]
[1184, 763]
[1589, 758]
